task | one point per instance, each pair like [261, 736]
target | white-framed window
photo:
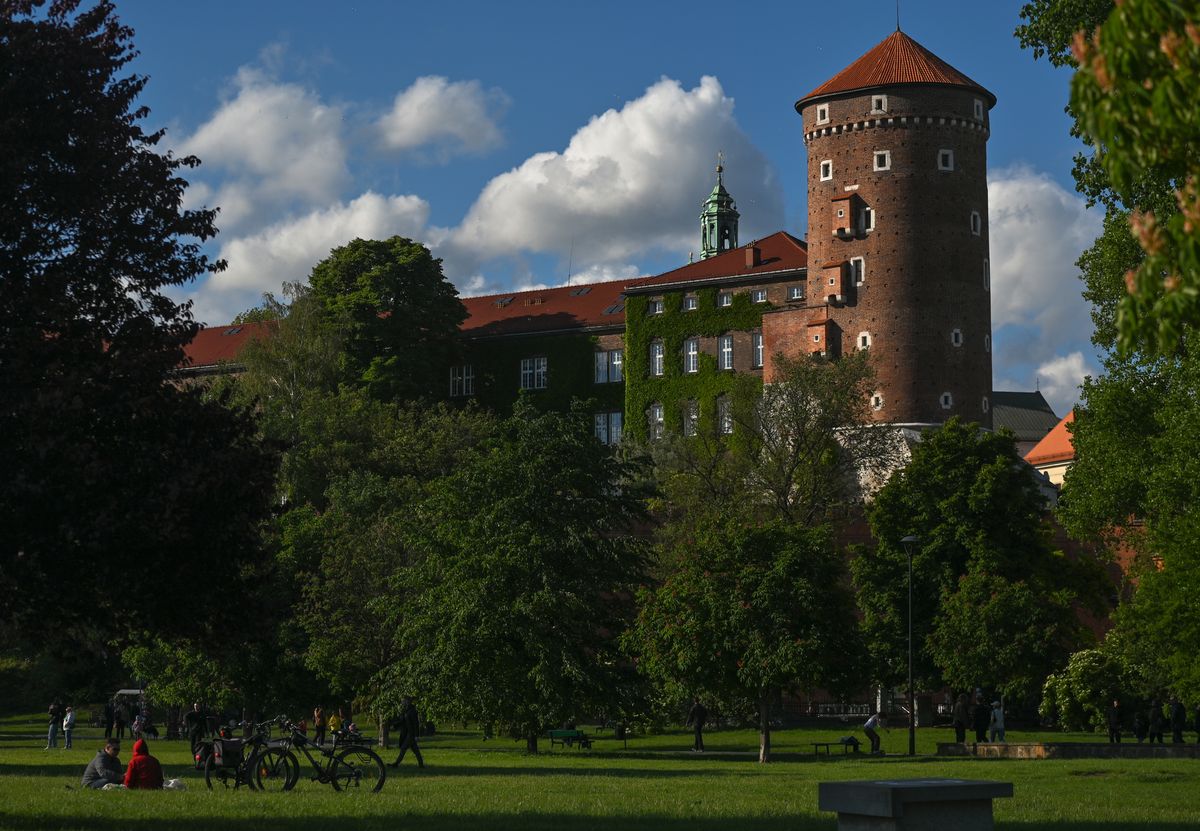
[947, 401]
[691, 418]
[826, 170]
[725, 298]
[462, 380]
[724, 415]
[976, 223]
[956, 337]
[656, 358]
[533, 373]
[756, 340]
[654, 417]
[795, 292]
[759, 296]
[877, 400]
[691, 355]
[945, 159]
[690, 302]
[987, 274]
[987, 343]
[822, 113]
[978, 110]
[985, 405]
[864, 340]
[866, 219]
[608, 367]
[858, 270]
[725, 352]
[655, 306]
[841, 213]
[881, 160]
[816, 338]
[608, 427]
[878, 103]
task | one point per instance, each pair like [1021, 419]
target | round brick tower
[898, 230]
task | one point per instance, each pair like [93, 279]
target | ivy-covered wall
[570, 372]
[674, 386]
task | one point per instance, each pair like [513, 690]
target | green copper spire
[719, 221]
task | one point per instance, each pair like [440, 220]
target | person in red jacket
[144, 771]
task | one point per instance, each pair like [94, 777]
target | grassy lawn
[655, 784]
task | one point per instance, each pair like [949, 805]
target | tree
[403, 315]
[111, 474]
[524, 572]
[978, 514]
[746, 612]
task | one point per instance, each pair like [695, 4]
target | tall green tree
[983, 546]
[523, 582]
[111, 473]
[403, 315]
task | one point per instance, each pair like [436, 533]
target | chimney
[752, 256]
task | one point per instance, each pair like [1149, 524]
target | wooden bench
[846, 743]
[569, 738]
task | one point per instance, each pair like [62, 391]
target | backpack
[227, 753]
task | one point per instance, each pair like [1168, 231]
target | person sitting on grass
[106, 768]
[144, 771]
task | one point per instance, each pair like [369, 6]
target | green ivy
[674, 386]
[570, 373]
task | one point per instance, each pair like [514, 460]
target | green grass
[655, 784]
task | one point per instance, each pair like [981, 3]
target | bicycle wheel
[275, 769]
[219, 777]
[357, 768]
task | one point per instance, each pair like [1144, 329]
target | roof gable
[778, 252]
[1056, 446]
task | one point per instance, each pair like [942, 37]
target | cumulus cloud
[1060, 377]
[454, 117]
[275, 146]
[629, 182]
[287, 250]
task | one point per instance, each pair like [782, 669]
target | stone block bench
[912, 804]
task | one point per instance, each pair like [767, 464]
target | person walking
[120, 719]
[196, 723]
[68, 725]
[876, 720]
[55, 711]
[1139, 726]
[696, 717]
[996, 723]
[410, 728]
[1113, 717]
[106, 768]
[1178, 720]
[960, 717]
[318, 725]
[1156, 722]
[982, 716]
[108, 719]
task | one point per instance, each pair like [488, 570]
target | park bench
[846, 743]
[569, 738]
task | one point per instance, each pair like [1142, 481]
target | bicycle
[351, 766]
[258, 765]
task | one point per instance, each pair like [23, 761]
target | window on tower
[858, 270]
[866, 219]
[877, 401]
[945, 159]
[823, 114]
[826, 170]
[956, 337]
[987, 274]
[883, 160]
[987, 343]
[978, 110]
[879, 104]
[976, 223]
[864, 340]
[985, 404]
[947, 401]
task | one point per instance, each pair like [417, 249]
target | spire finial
[897, 15]
[720, 164]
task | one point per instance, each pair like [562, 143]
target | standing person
[1178, 720]
[410, 728]
[996, 723]
[982, 717]
[106, 768]
[55, 712]
[144, 771]
[318, 724]
[1113, 716]
[696, 717]
[108, 719]
[1139, 726]
[961, 717]
[68, 727]
[1156, 722]
[120, 719]
[335, 723]
[876, 720]
[197, 725]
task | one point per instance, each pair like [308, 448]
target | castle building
[896, 262]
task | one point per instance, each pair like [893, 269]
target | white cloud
[289, 249]
[1060, 377]
[629, 182]
[275, 146]
[1038, 230]
[458, 117]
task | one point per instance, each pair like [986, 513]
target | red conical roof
[898, 59]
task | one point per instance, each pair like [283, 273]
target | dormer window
[945, 159]
[826, 170]
[882, 160]
[822, 113]
[878, 104]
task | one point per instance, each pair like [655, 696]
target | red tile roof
[217, 344]
[1055, 447]
[778, 252]
[898, 59]
[545, 310]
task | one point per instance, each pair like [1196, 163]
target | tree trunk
[764, 727]
[531, 744]
[383, 731]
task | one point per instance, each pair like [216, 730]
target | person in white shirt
[869, 728]
[997, 725]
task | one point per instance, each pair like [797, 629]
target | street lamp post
[908, 542]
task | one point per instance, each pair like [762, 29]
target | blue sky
[527, 139]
